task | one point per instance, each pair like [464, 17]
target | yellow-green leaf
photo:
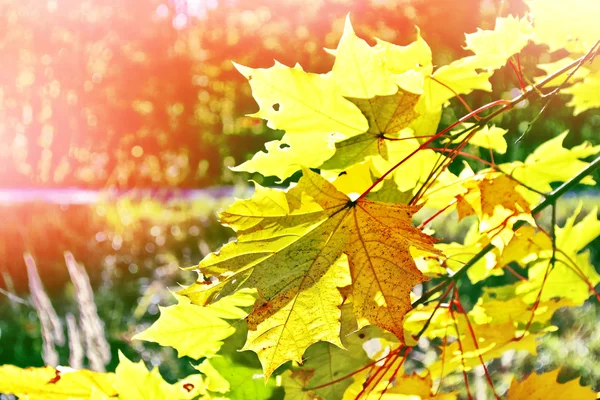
[488, 137]
[492, 341]
[573, 273]
[196, 331]
[362, 66]
[586, 94]
[47, 383]
[135, 382]
[300, 102]
[387, 115]
[282, 158]
[560, 24]
[459, 77]
[552, 68]
[546, 387]
[495, 47]
[548, 163]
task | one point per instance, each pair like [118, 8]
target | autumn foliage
[330, 284]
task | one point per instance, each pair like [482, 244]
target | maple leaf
[525, 246]
[409, 386]
[586, 94]
[284, 157]
[237, 375]
[197, 331]
[492, 341]
[459, 77]
[353, 181]
[134, 382]
[387, 115]
[392, 383]
[494, 47]
[551, 68]
[546, 387]
[515, 310]
[325, 364]
[487, 137]
[292, 247]
[550, 162]
[559, 24]
[47, 383]
[500, 191]
[296, 101]
[568, 277]
[412, 171]
[316, 110]
[360, 64]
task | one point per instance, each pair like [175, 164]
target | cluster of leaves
[320, 284]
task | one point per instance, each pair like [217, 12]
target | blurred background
[119, 120]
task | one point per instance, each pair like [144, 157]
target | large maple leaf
[295, 247]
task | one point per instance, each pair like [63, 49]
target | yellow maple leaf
[294, 252]
[356, 61]
[572, 25]
[546, 387]
[47, 383]
[525, 246]
[494, 47]
[459, 77]
[586, 94]
[317, 110]
[553, 67]
[550, 162]
[568, 277]
[487, 137]
[134, 382]
[492, 341]
[197, 331]
[500, 191]
[296, 101]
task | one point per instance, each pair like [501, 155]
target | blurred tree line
[115, 93]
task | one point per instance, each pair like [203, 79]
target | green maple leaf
[297, 248]
[387, 115]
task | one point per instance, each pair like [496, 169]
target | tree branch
[548, 201]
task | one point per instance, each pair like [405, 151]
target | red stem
[406, 353]
[536, 304]
[461, 153]
[462, 353]
[474, 338]
[428, 220]
[515, 273]
[370, 380]
[455, 94]
[521, 84]
[354, 372]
